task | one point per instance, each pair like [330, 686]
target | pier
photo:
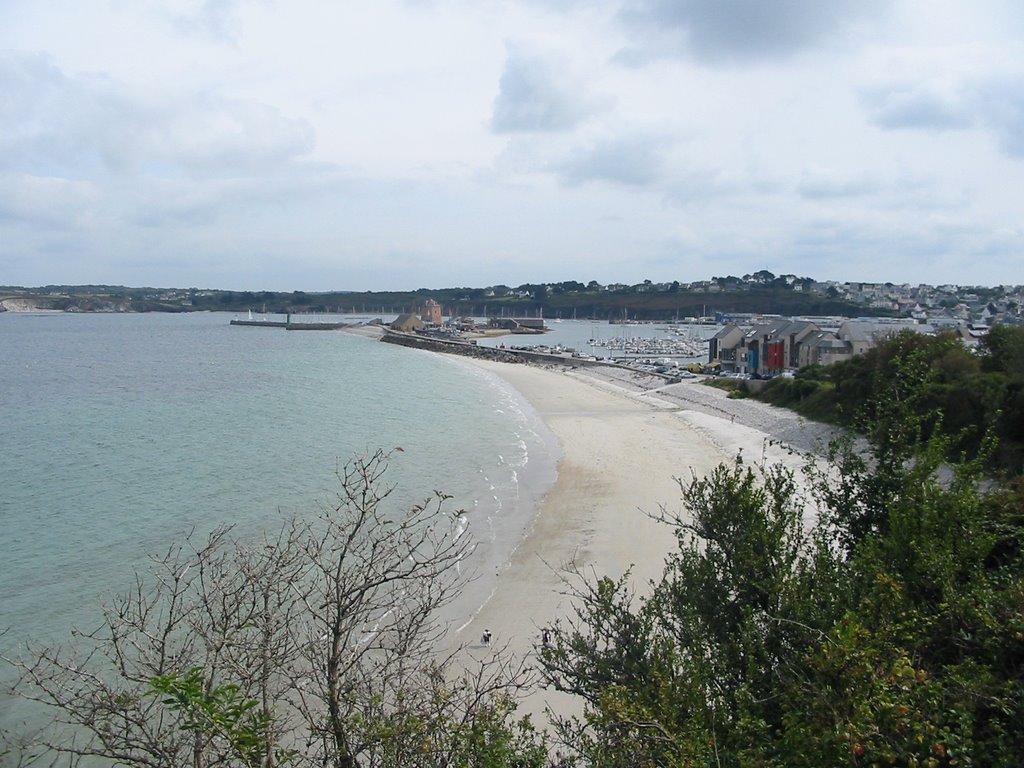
[290, 326]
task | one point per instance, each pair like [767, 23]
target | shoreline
[624, 440]
[622, 449]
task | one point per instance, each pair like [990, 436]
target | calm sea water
[124, 432]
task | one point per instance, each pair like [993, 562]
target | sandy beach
[624, 443]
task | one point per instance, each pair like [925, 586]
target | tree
[688, 675]
[1003, 350]
[887, 630]
[218, 713]
[568, 286]
[314, 646]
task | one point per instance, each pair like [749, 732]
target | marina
[646, 346]
[613, 340]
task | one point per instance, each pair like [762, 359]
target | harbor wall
[290, 326]
[468, 349]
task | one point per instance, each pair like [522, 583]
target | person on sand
[485, 638]
[545, 638]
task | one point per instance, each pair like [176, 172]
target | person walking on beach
[485, 638]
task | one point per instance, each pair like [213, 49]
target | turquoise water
[124, 432]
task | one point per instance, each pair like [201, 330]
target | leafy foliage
[976, 393]
[218, 713]
[867, 611]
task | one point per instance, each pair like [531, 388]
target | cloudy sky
[396, 144]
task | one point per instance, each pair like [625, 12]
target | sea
[125, 433]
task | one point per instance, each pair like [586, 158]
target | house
[755, 340]
[774, 347]
[792, 337]
[862, 335]
[768, 348]
[723, 345]
[822, 348]
[970, 337]
[515, 324]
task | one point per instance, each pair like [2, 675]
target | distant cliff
[65, 304]
[20, 305]
[35, 302]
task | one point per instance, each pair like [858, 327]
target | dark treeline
[557, 300]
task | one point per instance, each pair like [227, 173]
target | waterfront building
[430, 313]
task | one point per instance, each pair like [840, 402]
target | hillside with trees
[642, 301]
[759, 293]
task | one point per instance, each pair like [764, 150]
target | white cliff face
[42, 304]
[19, 305]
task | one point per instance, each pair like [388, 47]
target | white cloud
[31, 202]
[635, 160]
[216, 19]
[78, 122]
[920, 107]
[1002, 110]
[994, 104]
[740, 31]
[309, 145]
[537, 95]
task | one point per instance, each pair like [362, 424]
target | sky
[399, 144]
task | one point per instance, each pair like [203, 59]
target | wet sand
[623, 451]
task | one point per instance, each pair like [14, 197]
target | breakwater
[290, 326]
[470, 349]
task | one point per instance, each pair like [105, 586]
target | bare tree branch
[326, 631]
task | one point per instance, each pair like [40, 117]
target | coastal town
[737, 337]
[512, 384]
[745, 345]
[709, 300]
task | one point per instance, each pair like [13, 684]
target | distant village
[787, 295]
[762, 346]
[748, 344]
